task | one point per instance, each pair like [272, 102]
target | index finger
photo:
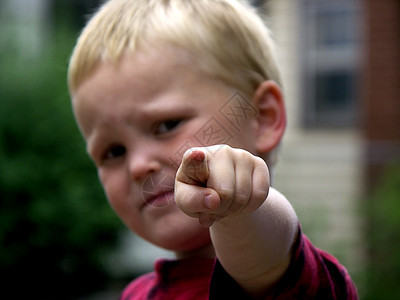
[194, 168]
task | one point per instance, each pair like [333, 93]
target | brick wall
[381, 86]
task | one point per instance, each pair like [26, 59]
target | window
[330, 39]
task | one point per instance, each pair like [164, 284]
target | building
[341, 69]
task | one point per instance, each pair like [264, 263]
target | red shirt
[312, 274]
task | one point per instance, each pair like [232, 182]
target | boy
[150, 79]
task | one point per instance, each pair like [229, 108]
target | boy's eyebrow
[171, 109]
[93, 141]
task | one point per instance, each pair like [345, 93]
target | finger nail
[207, 201]
[198, 156]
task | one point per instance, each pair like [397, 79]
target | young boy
[180, 104]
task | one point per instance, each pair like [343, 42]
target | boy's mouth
[158, 190]
[162, 199]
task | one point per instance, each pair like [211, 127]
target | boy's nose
[143, 165]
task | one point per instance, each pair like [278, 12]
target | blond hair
[227, 38]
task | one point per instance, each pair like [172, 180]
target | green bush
[55, 224]
[383, 234]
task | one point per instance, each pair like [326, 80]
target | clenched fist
[219, 181]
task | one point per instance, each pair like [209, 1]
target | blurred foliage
[383, 211]
[55, 224]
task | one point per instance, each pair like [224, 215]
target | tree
[55, 224]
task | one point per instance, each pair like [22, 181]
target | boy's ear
[271, 119]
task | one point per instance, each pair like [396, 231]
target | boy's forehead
[143, 73]
[146, 64]
[150, 67]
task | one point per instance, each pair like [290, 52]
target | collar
[169, 271]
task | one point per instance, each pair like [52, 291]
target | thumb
[194, 168]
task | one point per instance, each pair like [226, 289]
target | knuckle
[243, 155]
[226, 193]
[241, 200]
[260, 195]
[219, 150]
[261, 163]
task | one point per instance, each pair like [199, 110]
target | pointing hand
[219, 181]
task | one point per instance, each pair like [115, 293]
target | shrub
[55, 224]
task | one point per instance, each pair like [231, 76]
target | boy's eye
[114, 152]
[167, 126]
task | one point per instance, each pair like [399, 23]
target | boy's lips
[158, 190]
[161, 199]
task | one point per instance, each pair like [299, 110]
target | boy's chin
[186, 242]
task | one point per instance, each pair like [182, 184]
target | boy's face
[138, 118]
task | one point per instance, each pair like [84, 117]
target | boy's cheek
[110, 186]
[117, 202]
